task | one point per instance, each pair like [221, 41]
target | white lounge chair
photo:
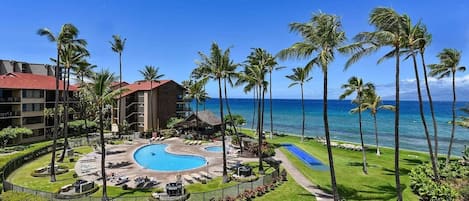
[188, 178]
[204, 174]
[195, 176]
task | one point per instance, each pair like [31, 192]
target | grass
[22, 176]
[353, 184]
[289, 190]
[118, 192]
[213, 184]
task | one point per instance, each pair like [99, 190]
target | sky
[169, 35]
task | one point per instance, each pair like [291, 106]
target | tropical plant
[410, 44]
[67, 35]
[356, 85]
[235, 120]
[422, 183]
[196, 91]
[388, 32]
[299, 77]
[117, 46]
[371, 101]
[212, 67]
[100, 87]
[83, 70]
[271, 64]
[448, 66]
[9, 133]
[150, 74]
[321, 35]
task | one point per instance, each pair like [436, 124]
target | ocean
[343, 125]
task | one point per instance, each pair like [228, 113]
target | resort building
[25, 91]
[145, 105]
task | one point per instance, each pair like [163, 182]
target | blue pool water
[214, 149]
[156, 158]
[305, 157]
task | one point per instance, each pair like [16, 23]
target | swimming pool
[305, 157]
[214, 149]
[156, 158]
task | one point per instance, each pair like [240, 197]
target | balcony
[33, 113]
[9, 99]
[13, 114]
[183, 109]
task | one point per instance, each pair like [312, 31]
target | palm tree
[196, 91]
[322, 35]
[150, 73]
[103, 95]
[356, 85]
[448, 66]
[388, 32]
[300, 76]
[371, 101]
[67, 35]
[212, 67]
[424, 40]
[72, 56]
[411, 42]
[82, 70]
[254, 78]
[118, 45]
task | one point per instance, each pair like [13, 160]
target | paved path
[300, 178]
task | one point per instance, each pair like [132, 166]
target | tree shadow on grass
[402, 171]
[380, 192]
[132, 191]
[360, 164]
[410, 161]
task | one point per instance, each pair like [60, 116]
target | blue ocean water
[344, 125]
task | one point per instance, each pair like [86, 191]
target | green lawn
[115, 192]
[22, 176]
[7, 157]
[289, 190]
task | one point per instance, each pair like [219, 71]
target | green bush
[422, 184]
[465, 193]
[19, 196]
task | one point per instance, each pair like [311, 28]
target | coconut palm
[150, 73]
[356, 85]
[371, 101]
[299, 77]
[212, 67]
[196, 91]
[71, 56]
[67, 35]
[117, 46]
[322, 35]
[83, 70]
[425, 39]
[103, 95]
[411, 42]
[254, 78]
[388, 33]
[448, 66]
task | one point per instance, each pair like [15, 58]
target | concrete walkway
[300, 178]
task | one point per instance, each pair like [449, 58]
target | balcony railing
[10, 114]
[9, 99]
[186, 108]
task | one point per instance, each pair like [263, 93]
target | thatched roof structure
[206, 118]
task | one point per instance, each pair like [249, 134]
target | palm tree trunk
[56, 116]
[376, 135]
[65, 128]
[396, 132]
[453, 121]
[365, 168]
[422, 116]
[197, 113]
[151, 108]
[335, 191]
[85, 116]
[430, 102]
[103, 153]
[271, 115]
[120, 94]
[225, 174]
[231, 118]
[259, 131]
[303, 111]
[254, 108]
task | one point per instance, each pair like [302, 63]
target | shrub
[465, 193]
[422, 184]
[125, 187]
[75, 175]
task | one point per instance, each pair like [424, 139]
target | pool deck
[89, 166]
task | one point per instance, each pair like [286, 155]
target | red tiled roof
[114, 84]
[142, 86]
[30, 81]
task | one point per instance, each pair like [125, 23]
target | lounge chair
[195, 176]
[162, 138]
[188, 178]
[205, 174]
[122, 180]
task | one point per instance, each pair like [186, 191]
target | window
[33, 107]
[33, 120]
[33, 93]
